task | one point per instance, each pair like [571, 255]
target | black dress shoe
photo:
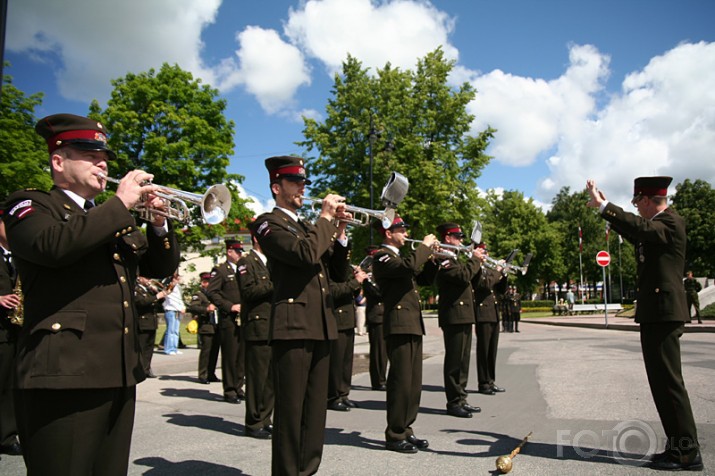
[350, 403]
[214, 378]
[260, 434]
[498, 389]
[269, 428]
[470, 408]
[204, 381]
[234, 400]
[13, 449]
[419, 444]
[380, 388]
[401, 446]
[486, 391]
[241, 395]
[672, 461]
[338, 406]
[150, 374]
[459, 412]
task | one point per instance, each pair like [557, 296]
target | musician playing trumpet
[456, 315]
[404, 327]
[78, 358]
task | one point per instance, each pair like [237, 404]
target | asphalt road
[581, 391]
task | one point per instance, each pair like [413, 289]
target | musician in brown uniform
[374, 316]
[254, 279]
[224, 292]
[78, 354]
[659, 238]
[9, 302]
[488, 286]
[456, 318]
[344, 286]
[147, 297]
[398, 279]
[206, 314]
[302, 322]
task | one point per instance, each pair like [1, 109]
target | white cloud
[270, 69]
[97, 41]
[661, 123]
[255, 203]
[398, 31]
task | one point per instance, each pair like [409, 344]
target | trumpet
[393, 193]
[215, 203]
[506, 266]
[361, 216]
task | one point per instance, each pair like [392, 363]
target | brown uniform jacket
[456, 296]
[148, 306]
[254, 279]
[488, 286]
[8, 331]
[197, 307]
[398, 279]
[224, 292]
[78, 272]
[302, 304]
[375, 309]
[660, 253]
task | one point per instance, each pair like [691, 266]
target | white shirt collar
[76, 198]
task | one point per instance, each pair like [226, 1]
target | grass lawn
[186, 338]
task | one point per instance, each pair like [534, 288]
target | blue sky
[608, 89]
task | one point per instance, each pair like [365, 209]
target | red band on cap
[56, 141]
[289, 170]
[651, 192]
[452, 230]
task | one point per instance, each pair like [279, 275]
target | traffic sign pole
[603, 259]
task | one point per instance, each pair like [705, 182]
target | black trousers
[378, 355]
[341, 365]
[259, 385]
[487, 343]
[146, 339]
[660, 343]
[76, 432]
[208, 355]
[300, 382]
[233, 360]
[404, 384]
[8, 427]
[457, 349]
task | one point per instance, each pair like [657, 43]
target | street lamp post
[372, 137]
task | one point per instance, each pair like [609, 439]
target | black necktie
[88, 205]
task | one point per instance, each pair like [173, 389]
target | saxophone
[17, 316]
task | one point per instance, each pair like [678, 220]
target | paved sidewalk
[582, 391]
[598, 321]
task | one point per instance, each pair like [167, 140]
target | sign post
[603, 259]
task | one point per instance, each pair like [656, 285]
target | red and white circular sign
[603, 258]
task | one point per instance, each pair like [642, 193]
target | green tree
[695, 202]
[510, 221]
[23, 154]
[171, 126]
[411, 122]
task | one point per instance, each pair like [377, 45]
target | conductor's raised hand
[596, 196]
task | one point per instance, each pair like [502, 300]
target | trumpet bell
[394, 191]
[216, 204]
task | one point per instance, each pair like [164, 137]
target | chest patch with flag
[22, 209]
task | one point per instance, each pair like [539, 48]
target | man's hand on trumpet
[479, 253]
[333, 207]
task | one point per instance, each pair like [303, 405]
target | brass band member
[224, 292]
[254, 279]
[488, 286]
[374, 315]
[148, 297]
[78, 354]
[398, 279]
[344, 286]
[456, 318]
[206, 314]
[302, 322]
[659, 238]
[9, 302]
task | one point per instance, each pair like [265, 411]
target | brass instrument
[215, 203]
[392, 194]
[17, 315]
[506, 266]
[505, 463]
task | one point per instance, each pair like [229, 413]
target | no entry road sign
[603, 258]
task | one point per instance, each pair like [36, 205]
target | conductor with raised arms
[658, 236]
